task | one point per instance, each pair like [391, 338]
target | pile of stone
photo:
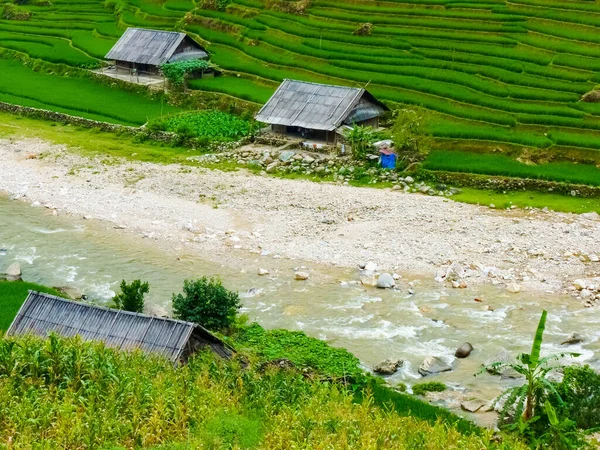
[588, 291]
[343, 169]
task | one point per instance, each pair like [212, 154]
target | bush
[206, 302]
[13, 12]
[432, 386]
[580, 392]
[131, 297]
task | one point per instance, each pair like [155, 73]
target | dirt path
[237, 213]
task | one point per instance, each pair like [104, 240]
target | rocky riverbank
[247, 215]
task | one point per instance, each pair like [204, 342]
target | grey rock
[70, 292]
[473, 405]
[432, 365]
[385, 281]
[389, 366]
[286, 155]
[464, 350]
[575, 338]
[409, 180]
[13, 273]
[503, 356]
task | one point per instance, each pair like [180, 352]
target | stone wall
[497, 183]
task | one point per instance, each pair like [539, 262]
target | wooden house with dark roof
[318, 110]
[145, 50]
[42, 314]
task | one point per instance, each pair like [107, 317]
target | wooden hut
[145, 50]
[176, 340]
[316, 111]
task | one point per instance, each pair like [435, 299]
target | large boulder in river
[575, 338]
[385, 281]
[389, 366]
[464, 350]
[503, 357]
[13, 273]
[432, 365]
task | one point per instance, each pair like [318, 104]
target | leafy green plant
[10, 11]
[302, 350]
[410, 130]
[176, 72]
[214, 125]
[523, 410]
[207, 302]
[561, 434]
[423, 388]
[580, 391]
[131, 297]
[360, 139]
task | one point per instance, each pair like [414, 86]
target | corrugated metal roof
[154, 47]
[314, 106]
[42, 314]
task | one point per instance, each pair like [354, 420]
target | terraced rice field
[493, 72]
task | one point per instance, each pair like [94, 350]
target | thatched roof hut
[176, 340]
[145, 50]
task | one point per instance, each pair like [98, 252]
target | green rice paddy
[493, 73]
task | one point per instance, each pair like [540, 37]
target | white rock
[385, 281]
[301, 276]
[409, 180]
[513, 288]
[370, 266]
[263, 272]
[395, 276]
[579, 284]
[594, 258]
[585, 293]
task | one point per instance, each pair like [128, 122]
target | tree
[360, 139]
[523, 402]
[206, 302]
[410, 130]
[131, 297]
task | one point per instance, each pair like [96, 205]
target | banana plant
[535, 369]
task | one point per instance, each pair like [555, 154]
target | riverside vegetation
[64, 393]
[281, 390]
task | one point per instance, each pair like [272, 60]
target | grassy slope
[79, 97]
[12, 296]
[86, 396]
[512, 72]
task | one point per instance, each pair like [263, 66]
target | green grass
[525, 199]
[244, 88]
[489, 164]
[81, 97]
[12, 296]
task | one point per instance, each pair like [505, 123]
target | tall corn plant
[524, 400]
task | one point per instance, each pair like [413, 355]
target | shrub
[206, 302]
[364, 29]
[580, 391]
[131, 297]
[410, 130]
[175, 72]
[13, 12]
[361, 140]
[433, 386]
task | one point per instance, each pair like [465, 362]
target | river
[373, 324]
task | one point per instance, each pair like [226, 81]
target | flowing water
[372, 324]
